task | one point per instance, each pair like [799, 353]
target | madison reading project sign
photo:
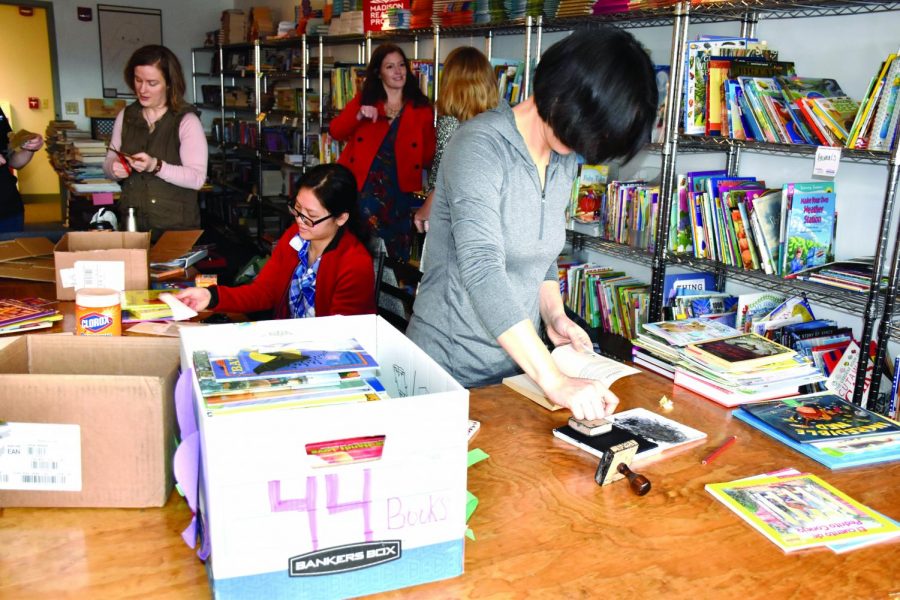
[376, 12]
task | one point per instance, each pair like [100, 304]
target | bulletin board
[123, 30]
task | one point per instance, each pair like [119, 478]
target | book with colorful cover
[801, 511]
[841, 454]
[742, 352]
[837, 114]
[16, 310]
[358, 390]
[301, 358]
[796, 88]
[810, 226]
[687, 331]
[821, 417]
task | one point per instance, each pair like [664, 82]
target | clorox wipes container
[98, 311]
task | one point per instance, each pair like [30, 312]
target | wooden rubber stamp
[614, 466]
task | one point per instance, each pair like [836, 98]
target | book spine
[895, 384]
[765, 256]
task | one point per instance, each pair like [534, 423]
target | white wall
[78, 44]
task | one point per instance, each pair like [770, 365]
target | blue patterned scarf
[302, 295]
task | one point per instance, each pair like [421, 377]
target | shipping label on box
[39, 456]
[281, 518]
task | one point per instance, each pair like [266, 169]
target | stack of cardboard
[261, 24]
[234, 27]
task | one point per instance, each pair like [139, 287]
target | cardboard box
[132, 249]
[27, 258]
[268, 507]
[114, 396]
[103, 108]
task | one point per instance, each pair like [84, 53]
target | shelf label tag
[828, 159]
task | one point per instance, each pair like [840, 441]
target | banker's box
[109, 399]
[280, 527]
[92, 248]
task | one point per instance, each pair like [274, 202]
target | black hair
[373, 89]
[596, 89]
[335, 187]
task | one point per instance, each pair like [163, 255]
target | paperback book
[801, 511]
[687, 331]
[740, 353]
[302, 358]
[809, 227]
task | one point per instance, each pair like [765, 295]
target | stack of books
[798, 511]
[144, 305]
[827, 428]
[293, 375]
[27, 314]
[723, 364]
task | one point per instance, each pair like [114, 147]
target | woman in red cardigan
[389, 130]
[320, 266]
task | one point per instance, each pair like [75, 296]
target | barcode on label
[37, 450]
[45, 465]
[37, 478]
[90, 276]
[4, 478]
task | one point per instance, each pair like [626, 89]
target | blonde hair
[468, 86]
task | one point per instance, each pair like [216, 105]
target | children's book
[837, 113]
[301, 358]
[810, 227]
[687, 331]
[821, 417]
[800, 511]
[743, 352]
[795, 88]
[755, 305]
[696, 78]
[673, 283]
[884, 121]
[766, 212]
[13, 311]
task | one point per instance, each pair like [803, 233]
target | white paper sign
[100, 274]
[828, 159]
[40, 456]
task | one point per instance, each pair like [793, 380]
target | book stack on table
[23, 315]
[723, 364]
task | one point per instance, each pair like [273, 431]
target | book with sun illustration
[301, 358]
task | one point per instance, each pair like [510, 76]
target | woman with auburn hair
[468, 87]
[158, 150]
[389, 130]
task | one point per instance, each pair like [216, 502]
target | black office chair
[395, 289]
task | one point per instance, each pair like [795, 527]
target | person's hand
[563, 330]
[2, 160]
[586, 398]
[196, 297]
[367, 112]
[33, 144]
[119, 170]
[420, 219]
[142, 162]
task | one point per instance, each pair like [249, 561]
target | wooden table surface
[543, 527]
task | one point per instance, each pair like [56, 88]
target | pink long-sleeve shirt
[194, 153]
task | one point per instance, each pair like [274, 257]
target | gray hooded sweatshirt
[494, 237]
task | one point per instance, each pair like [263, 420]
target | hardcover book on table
[821, 417]
[835, 455]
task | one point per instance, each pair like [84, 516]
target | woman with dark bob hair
[321, 265]
[389, 130]
[158, 151]
[497, 224]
